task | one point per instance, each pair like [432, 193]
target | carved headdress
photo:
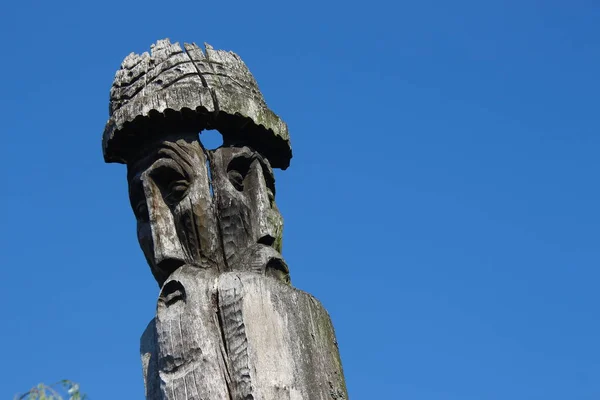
[190, 90]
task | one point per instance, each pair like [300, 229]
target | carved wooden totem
[228, 323]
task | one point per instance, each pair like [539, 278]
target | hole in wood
[211, 139]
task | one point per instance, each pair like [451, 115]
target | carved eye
[236, 179]
[172, 300]
[172, 183]
[141, 210]
[238, 169]
[176, 190]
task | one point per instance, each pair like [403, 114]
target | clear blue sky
[442, 201]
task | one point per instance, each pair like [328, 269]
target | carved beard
[170, 194]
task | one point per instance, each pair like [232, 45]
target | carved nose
[264, 213]
[259, 186]
[167, 249]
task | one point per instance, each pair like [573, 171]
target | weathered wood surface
[228, 323]
[182, 348]
[193, 90]
[170, 194]
[239, 336]
[244, 193]
[223, 217]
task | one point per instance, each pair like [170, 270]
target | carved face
[250, 222]
[169, 190]
[189, 356]
[177, 223]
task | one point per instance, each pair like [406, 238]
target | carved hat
[172, 89]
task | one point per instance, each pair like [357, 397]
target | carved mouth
[171, 365]
[277, 264]
[267, 240]
[277, 268]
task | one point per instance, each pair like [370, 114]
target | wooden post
[228, 324]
